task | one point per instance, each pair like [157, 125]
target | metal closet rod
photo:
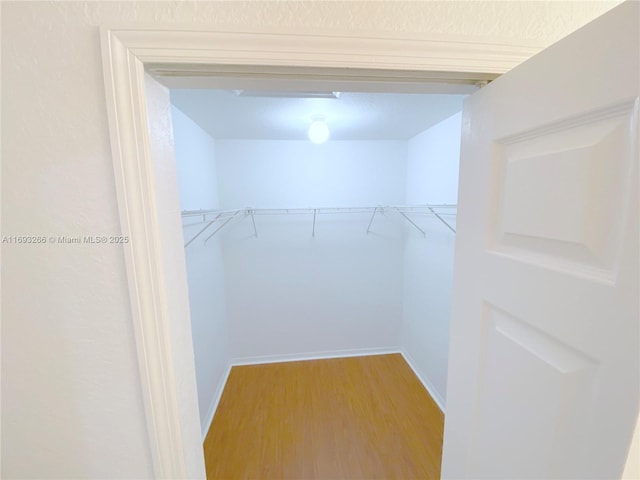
[227, 215]
[195, 213]
[309, 210]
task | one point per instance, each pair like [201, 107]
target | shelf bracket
[221, 226]
[375, 210]
[313, 231]
[202, 230]
[253, 220]
[412, 222]
[443, 220]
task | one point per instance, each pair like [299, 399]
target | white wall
[432, 177]
[195, 159]
[70, 382]
[280, 174]
[288, 292]
[433, 159]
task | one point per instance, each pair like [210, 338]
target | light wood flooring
[344, 418]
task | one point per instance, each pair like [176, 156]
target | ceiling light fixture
[285, 94]
[318, 132]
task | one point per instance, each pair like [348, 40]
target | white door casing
[544, 365]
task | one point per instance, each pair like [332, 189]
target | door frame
[190, 57]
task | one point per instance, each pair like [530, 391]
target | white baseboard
[432, 391]
[314, 355]
[206, 422]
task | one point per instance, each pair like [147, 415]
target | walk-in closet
[304, 248]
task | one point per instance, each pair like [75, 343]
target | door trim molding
[173, 55]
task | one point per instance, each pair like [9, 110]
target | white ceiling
[352, 116]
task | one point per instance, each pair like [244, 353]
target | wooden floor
[345, 418]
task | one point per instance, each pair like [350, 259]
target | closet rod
[195, 213]
[334, 210]
[401, 209]
[227, 215]
[318, 210]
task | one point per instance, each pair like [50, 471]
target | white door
[544, 362]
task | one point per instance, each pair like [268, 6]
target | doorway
[339, 249]
[143, 160]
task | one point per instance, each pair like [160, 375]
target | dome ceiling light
[318, 132]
